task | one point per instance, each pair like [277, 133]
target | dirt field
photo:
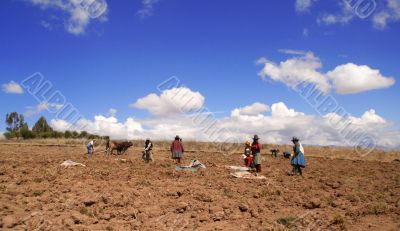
[113, 194]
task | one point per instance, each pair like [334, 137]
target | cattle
[119, 146]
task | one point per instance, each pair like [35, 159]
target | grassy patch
[286, 221]
[330, 202]
[144, 183]
[34, 193]
[228, 192]
[339, 221]
[84, 211]
[377, 209]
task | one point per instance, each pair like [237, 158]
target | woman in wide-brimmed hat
[256, 151]
[177, 150]
[298, 161]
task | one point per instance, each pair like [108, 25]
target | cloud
[252, 110]
[31, 111]
[391, 13]
[275, 124]
[80, 13]
[344, 16]
[147, 8]
[104, 126]
[172, 101]
[344, 79]
[388, 12]
[306, 32]
[12, 88]
[351, 78]
[112, 112]
[303, 5]
[295, 70]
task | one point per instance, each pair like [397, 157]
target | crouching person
[298, 161]
[247, 156]
[147, 153]
[90, 147]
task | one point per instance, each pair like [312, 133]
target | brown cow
[120, 146]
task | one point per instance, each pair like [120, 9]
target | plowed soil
[120, 192]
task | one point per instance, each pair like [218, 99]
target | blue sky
[212, 46]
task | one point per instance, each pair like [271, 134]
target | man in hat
[177, 150]
[298, 161]
[256, 151]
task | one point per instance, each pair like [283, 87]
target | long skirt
[298, 160]
[90, 149]
[148, 156]
[257, 158]
[177, 155]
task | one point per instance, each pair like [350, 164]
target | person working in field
[177, 150]
[147, 153]
[247, 156]
[256, 151]
[298, 161]
[90, 147]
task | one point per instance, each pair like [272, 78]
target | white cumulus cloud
[12, 88]
[296, 70]
[274, 124]
[252, 110]
[172, 101]
[344, 79]
[351, 78]
[104, 126]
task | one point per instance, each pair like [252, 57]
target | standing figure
[298, 161]
[90, 147]
[177, 150]
[256, 151]
[147, 153]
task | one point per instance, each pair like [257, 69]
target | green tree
[22, 123]
[41, 126]
[8, 135]
[57, 134]
[12, 121]
[67, 134]
[75, 134]
[15, 123]
[27, 134]
[83, 134]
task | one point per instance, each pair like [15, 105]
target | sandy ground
[36, 193]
